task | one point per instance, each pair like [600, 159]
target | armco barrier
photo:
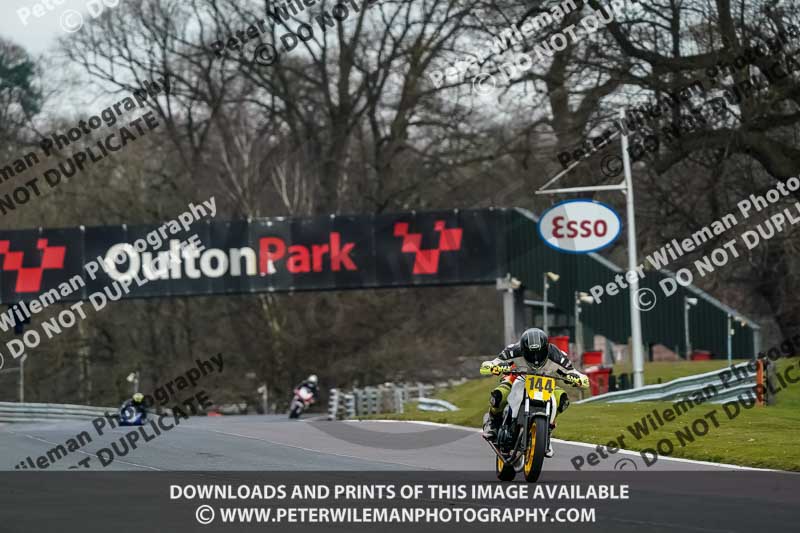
[333, 404]
[432, 404]
[48, 412]
[741, 380]
[386, 398]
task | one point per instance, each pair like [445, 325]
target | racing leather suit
[130, 403]
[312, 388]
[557, 366]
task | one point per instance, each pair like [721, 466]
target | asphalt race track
[671, 495]
[260, 443]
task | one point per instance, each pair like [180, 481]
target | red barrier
[592, 358]
[562, 343]
[598, 380]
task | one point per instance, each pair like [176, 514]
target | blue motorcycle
[132, 416]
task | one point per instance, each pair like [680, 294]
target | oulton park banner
[268, 254]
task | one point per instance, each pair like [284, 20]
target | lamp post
[633, 282]
[687, 304]
[21, 377]
[133, 378]
[580, 297]
[626, 186]
[264, 391]
[553, 277]
[730, 339]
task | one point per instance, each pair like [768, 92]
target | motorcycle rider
[135, 402]
[311, 384]
[536, 354]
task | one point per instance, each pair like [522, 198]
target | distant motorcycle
[131, 416]
[302, 399]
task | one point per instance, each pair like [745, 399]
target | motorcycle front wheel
[537, 445]
[504, 472]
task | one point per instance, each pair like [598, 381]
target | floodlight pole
[730, 339]
[627, 188]
[20, 376]
[578, 328]
[688, 341]
[544, 307]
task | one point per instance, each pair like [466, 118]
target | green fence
[528, 258]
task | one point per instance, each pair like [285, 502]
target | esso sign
[579, 226]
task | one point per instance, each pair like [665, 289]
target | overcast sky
[37, 34]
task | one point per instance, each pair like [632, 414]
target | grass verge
[764, 437]
[663, 371]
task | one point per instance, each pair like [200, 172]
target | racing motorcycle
[302, 399]
[523, 437]
[131, 416]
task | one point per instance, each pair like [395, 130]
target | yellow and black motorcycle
[523, 437]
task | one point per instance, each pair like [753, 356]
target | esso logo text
[579, 226]
[588, 228]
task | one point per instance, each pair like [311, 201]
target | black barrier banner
[271, 254]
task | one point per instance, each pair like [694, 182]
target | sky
[19, 21]
[20, 24]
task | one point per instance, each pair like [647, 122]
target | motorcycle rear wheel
[534, 456]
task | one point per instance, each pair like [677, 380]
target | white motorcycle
[302, 399]
[524, 435]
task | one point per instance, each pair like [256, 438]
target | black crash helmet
[534, 346]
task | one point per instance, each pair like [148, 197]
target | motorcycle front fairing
[304, 394]
[130, 415]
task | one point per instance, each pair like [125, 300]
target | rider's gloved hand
[486, 368]
[575, 380]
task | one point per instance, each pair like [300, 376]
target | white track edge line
[587, 445]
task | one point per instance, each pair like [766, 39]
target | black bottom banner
[397, 501]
